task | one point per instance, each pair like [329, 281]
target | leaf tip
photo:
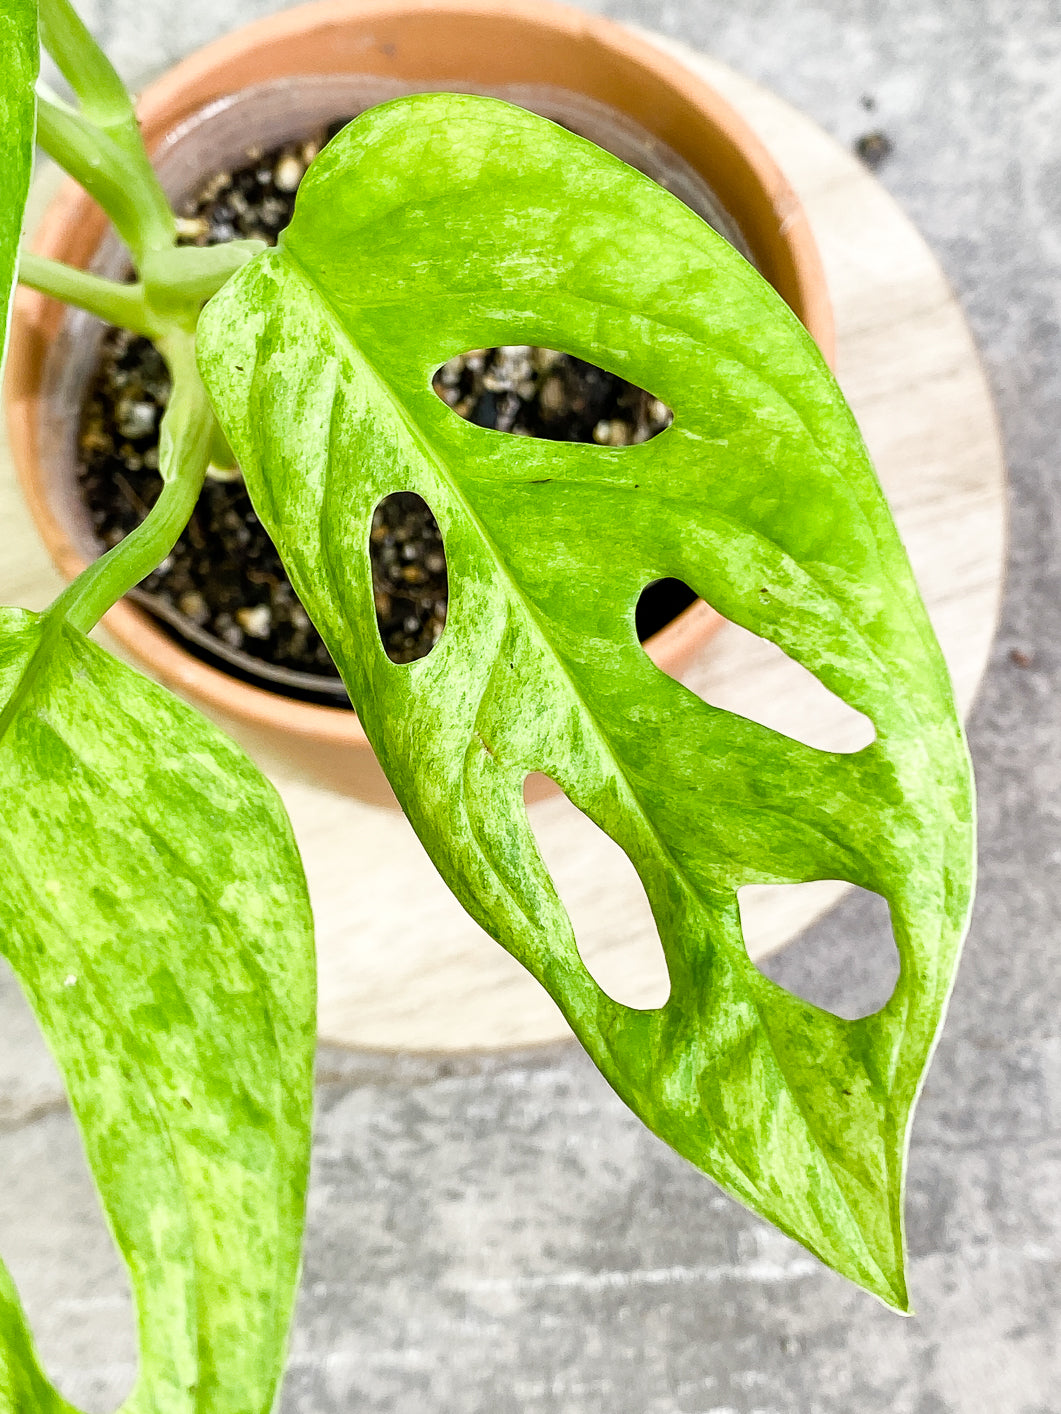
[892, 1290]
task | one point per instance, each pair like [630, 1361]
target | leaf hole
[71, 1280]
[753, 678]
[847, 964]
[605, 900]
[543, 393]
[659, 603]
[410, 583]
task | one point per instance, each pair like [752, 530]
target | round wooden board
[401, 966]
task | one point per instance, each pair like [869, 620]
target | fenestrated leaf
[19, 63]
[153, 907]
[439, 224]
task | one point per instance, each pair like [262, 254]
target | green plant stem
[185, 443]
[185, 277]
[108, 113]
[101, 146]
[103, 166]
[117, 304]
[84, 65]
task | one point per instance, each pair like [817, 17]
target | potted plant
[151, 899]
[280, 79]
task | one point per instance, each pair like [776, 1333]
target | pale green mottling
[438, 224]
[19, 62]
[153, 906]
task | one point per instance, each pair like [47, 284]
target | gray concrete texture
[499, 1236]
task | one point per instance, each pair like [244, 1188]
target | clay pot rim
[162, 107]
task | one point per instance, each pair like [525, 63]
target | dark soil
[224, 583]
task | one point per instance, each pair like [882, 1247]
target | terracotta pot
[609, 84]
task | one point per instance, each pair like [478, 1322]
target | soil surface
[224, 583]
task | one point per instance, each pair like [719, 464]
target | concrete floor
[501, 1237]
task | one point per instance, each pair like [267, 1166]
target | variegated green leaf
[19, 62]
[153, 907]
[439, 224]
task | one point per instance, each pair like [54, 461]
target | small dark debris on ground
[874, 149]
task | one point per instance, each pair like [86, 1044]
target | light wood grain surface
[401, 965]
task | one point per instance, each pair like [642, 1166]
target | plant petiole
[181, 279]
[101, 145]
[185, 445]
[107, 170]
[84, 65]
[107, 299]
